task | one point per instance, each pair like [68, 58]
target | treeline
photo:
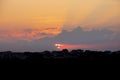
[61, 57]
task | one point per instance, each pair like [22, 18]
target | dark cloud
[103, 38]
[78, 36]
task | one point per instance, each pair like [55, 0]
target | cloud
[78, 38]
[28, 34]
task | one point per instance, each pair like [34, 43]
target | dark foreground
[76, 57]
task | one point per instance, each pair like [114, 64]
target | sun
[58, 46]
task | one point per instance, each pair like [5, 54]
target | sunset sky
[31, 20]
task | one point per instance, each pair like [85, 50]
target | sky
[26, 22]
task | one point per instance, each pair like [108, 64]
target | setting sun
[53, 24]
[58, 46]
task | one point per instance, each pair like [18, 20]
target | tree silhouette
[63, 57]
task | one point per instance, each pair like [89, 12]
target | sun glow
[72, 46]
[58, 46]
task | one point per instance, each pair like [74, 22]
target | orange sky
[99, 46]
[54, 15]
